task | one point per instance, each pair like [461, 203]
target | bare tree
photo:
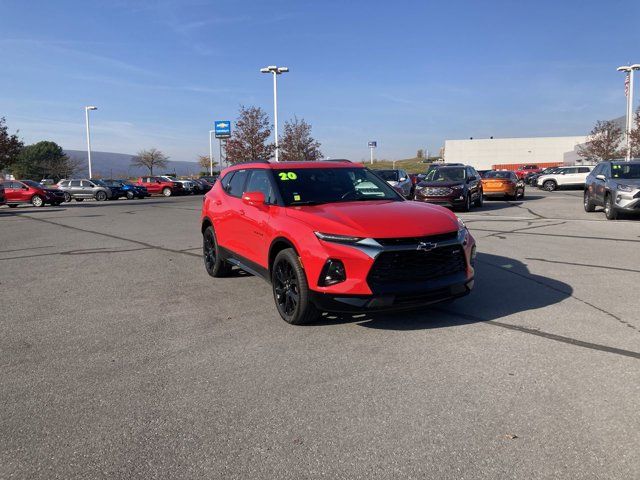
[603, 142]
[420, 154]
[249, 139]
[635, 135]
[150, 159]
[297, 144]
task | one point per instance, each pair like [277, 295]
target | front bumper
[451, 201]
[627, 201]
[441, 290]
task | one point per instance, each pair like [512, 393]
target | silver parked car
[615, 186]
[79, 189]
[399, 180]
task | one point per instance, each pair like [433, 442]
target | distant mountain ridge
[118, 165]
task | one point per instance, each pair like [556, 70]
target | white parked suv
[564, 177]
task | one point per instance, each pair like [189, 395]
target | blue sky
[408, 74]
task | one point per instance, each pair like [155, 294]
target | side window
[74, 183]
[86, 183]
[598, 170]
[469, 172]
[583, 170]
[260, 181]
[606, 170]
[236, 184]
[225, 181]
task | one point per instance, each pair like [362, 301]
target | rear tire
[67, 197]
[166, 191]
[291, 290]
[213, 262]
[588, 204]
[609, 209]
[549, 185]
[130, 195]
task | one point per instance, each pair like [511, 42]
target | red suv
[160, 185]
[28, 191]
[333, 236]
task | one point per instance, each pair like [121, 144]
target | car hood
[631, 181]
[377, 219]
[440, 184]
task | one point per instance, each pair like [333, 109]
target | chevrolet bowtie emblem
[426, 246]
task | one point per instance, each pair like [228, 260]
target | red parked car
[28, 191]
[526, 170]
[160, 185]
[333, 236]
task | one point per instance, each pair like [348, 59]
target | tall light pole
[86, 115]
[273, 69]
[211, 132]
[629, 69]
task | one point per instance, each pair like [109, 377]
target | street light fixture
[211, 132]
[629, 69]
[275, 71]
[86, 114]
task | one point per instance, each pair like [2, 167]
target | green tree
[603, 142]
[249, 139]
[10, 146]
[297, 144]
[44, 160]
[152, 158]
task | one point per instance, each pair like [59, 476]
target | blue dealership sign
[222, 128]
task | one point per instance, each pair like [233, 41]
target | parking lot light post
[211, 132]
[275, 71]
[629, 69]
[86, 114]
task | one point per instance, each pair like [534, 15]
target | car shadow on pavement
[503, 287]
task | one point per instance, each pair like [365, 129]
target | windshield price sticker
[284, 176]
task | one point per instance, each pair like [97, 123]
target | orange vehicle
[502, 183]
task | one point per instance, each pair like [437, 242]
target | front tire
[166, 191]
[479, 201]
[609, 209]
[549, 185]
[588, 204]
[213, 262]
[37, 201]
[290, 289]
[101, 196]
[467, 203]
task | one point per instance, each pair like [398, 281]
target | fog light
[333, 272]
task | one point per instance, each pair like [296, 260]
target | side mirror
[158, 181]
[402, 179]
[24, 187]
[253, 198]
[601, 177]
[472, 178]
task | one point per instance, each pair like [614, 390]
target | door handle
[241, 212]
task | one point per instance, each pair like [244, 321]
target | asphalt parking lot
[121, 358]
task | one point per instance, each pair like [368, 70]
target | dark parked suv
[454, 187]
[615, 186]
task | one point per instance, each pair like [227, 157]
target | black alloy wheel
[213, 263]
[290, 289]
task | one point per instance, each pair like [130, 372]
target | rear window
[236, 184]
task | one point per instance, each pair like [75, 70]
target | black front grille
[415, 266]
[415, 240]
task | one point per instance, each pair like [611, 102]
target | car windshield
[311, 186]
[388, 175]
[446, 175]
[497, 175]
[625, 171]
[31, 183]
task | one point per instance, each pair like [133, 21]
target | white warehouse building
[486, 152]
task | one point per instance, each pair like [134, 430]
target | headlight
[457, 187]
[330, 237]
[625, 188]
[463, 232]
